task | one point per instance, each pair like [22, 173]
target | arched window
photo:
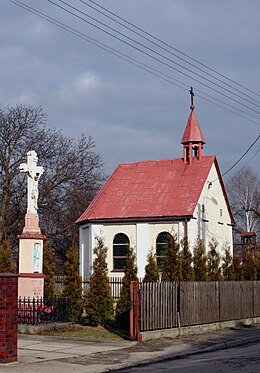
[120, 245]
[163, 239]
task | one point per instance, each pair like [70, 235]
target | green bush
[73, 284]
[228, 270]
[250, 266]
[99, 301]
[152, 272]
[123, 304]
[172, 266]
[6, 262]
[213, 262]
[48, 270]
[200, 261]
[186, 259]
[238, 269]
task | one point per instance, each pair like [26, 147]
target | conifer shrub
[6, 261]
[213, 262]
[238, 268]
[250, 266]
[48, 270]
[72, 284]
[152, 272]
[258, 265]
[228, 270]
[187, 260]
[200, 261]
[99, 301]
[123, 304]
[172, 265]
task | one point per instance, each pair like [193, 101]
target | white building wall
[142, 238]
[142, 247]
[108, 232]
[211, 215]
[84, 264]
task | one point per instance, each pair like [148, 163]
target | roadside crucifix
[34, 173]
[30, 277]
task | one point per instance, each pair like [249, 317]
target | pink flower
[46, 309]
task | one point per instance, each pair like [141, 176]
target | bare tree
[73, 175]
[244, 195]
[17, 124]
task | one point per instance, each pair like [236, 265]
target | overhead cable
[166, 49]
[168, 45]
[152, 51]
[136, 63]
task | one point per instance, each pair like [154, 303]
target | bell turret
[192, 139]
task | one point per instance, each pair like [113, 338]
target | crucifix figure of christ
[34, 173]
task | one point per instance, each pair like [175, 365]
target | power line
[134, 62]
[75, 32]
[253, 156]
[170, 46]
[160, 73]
[149, 55]
[163, 48]
[242, 156]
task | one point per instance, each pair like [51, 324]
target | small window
[162, 241]
[120, 246]
[220, 212]
[195, 150]
[203, 209]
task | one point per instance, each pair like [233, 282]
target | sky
[131, 114]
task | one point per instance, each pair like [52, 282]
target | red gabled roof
[192, 131]
[150, 189]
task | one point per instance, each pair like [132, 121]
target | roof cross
[191, 98]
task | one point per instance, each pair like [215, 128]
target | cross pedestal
[30, 277]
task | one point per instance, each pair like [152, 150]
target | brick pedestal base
[8, 317]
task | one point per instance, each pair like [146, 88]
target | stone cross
[34, 173]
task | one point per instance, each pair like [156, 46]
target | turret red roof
[152, 190]
[192, 131]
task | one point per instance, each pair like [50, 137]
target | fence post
[178, 304]
[131, 319]
[135, 311]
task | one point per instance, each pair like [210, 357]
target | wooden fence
[158, 305]
[168, 305]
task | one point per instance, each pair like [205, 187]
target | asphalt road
[237, 359]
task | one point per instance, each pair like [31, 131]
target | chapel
[144, 202]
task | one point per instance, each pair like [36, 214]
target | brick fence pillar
[8, 317]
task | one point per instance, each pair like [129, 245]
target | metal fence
[115, 284]
[35, 311]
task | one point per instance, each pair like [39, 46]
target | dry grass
[89, 333]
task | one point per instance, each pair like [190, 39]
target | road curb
[191, 352]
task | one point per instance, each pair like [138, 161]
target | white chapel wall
[212, 215]
[108, 232]
[142, 238]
